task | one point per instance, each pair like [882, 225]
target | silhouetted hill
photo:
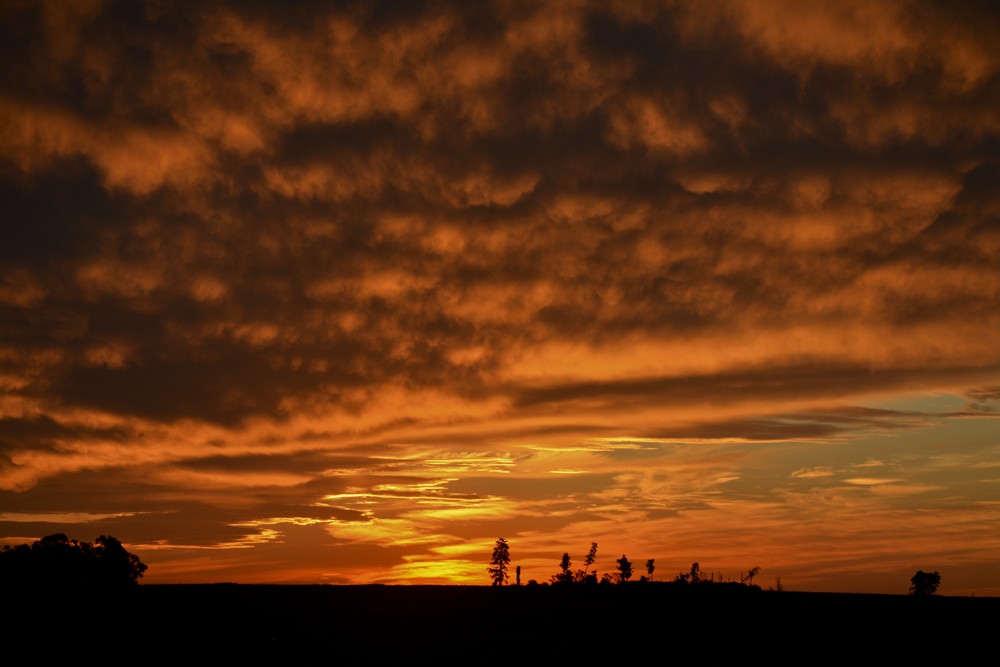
[488, 625]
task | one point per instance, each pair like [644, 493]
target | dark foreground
[640, 624]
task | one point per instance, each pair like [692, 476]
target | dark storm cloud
[810, 425]
[780, 383]
[983, 401]
[968, 233]
[56, 213]
[985, 394]
[297, 462]
[139, 490]
[262, 225]
[42, 429]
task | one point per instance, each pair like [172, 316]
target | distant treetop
[924, 583]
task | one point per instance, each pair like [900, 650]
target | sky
[343, 292]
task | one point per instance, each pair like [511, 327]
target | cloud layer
[344, 291]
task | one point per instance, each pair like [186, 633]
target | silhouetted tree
[924, 583]
[518, 573]
[650, 566]
[584, 576]
[565, 574]
[116, 564]
[499, 563]
[591, 557]
[691, 577]
[55, 561]
[751, 573]
[624, 569]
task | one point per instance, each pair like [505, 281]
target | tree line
[922, 583]
[55, 561]
[624, 570]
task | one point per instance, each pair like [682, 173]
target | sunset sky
[343, 292]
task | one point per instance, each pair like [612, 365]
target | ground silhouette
[693, 615]
[496, 625]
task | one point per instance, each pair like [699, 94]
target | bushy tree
[499, 563]
[116, 564]
[924, 583]
[650, 566]
[57, 562]
[624, 569]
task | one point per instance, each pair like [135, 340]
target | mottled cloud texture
[345, 291]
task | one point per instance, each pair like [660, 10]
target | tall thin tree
[591, 557]
[565, 574]
[499, 563]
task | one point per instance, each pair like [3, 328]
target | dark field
[638, 624]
